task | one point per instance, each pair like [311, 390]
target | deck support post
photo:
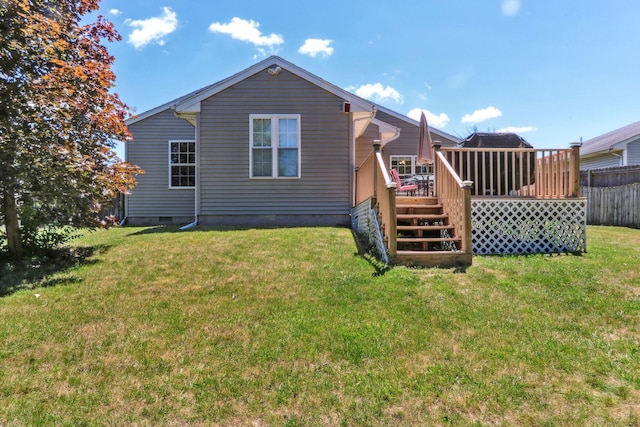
[467, 244]
[575, 168]
[436, 148]
[376, 151]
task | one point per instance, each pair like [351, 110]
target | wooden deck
[527, 200]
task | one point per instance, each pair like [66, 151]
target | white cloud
[115, 12]
[248, 31]
[152, 29]
[481, 115]
[313, 47]
[510, 7]
[516, 129]
[438, 121]
[377, 93]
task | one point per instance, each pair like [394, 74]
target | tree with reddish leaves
[59, 121]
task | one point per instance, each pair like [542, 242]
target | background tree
[59, 122]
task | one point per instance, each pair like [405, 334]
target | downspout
[196, 195]
[393, 138]
[616, 155]
[125, 205]
[123, 221]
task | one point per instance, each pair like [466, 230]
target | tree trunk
[14, 241]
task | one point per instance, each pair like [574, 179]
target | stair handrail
[455, 196]
[385, 196]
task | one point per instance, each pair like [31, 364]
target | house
[275, 145]
[620, 147]
[270, 145]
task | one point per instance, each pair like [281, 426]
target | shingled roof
[494, 140]
[611, 140]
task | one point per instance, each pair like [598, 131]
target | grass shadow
[176, 229]
[54, 269]
[366, 251]
[156, 230]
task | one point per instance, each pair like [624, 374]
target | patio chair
[409, 187]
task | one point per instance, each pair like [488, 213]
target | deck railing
[518, 172]
[374, 182]
[455, 196]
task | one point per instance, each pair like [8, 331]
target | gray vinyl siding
[152, 197]
[225, 186]
[598, 162]
[633, 153]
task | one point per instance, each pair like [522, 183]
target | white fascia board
[147, 114]
[387, 131]
[361, 120]
[159, 109]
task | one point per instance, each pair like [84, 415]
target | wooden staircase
[425, 236]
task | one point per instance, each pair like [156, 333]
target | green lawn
[290, 327]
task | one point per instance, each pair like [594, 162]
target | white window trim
[275, 144]
[195, 165]
[414, 161]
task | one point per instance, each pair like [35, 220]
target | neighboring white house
[620, 147]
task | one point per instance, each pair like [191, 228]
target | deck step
[426, 239]
[443, 259]
[422, 216]
[417, 206]
[424, 227]
[420, 243]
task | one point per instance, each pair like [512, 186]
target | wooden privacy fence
[613, 205]
[610, 177]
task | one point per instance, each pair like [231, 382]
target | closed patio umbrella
[425, 149]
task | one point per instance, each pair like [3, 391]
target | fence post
[575, 169]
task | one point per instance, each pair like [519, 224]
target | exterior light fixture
[275, 70]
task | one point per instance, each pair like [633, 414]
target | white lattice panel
[364, 221]
[516, 226]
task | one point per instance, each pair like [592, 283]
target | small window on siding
[182, 164]
[274, 146]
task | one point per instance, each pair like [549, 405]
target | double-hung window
[182, 164]
[274, 145]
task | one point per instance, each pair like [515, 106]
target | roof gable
[273, 65]
[362, 109]
[616, 139]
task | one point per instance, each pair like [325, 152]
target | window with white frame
[405, 165]
[182, 164]
[274, 145]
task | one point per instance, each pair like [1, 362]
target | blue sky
[553, 71]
